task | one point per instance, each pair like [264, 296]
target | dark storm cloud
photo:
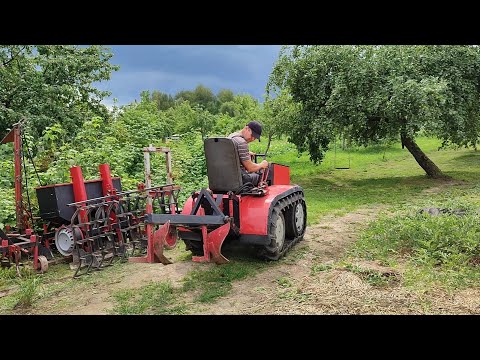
[172, 68]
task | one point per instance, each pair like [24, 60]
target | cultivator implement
[107, 227]
[207, 224]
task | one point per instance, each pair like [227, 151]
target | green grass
[27, 292]
[23, 289]
[441, 251]
[216, 281]
[31, 290]
[153, 299]
[377, 175]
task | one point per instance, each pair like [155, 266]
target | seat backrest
[223, 165]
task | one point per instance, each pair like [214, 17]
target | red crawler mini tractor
[271, 217]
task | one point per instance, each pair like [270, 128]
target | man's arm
[250, 166]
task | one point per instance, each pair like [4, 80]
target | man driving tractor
[248, 168]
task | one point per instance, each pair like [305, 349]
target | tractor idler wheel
[42, 264]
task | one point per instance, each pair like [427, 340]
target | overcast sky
[171, 68]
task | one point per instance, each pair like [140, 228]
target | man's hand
[252, 153]
[250, 166]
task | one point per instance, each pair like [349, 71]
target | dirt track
[291, 286]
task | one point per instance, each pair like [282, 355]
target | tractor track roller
[287, 226]
[42, 264]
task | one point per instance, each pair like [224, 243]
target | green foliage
[189, 165]
[49, 84]
[162, 100]
[193, 119]
[140, 124]
[225, 95]
[236, 113]
[7, 194]
[226, 125]
[118, 142]
[280, 113]
[201, 96]
[373, 93]
[10, 273]
[7, 207]
[26, 282]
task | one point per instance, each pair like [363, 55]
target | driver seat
[223, 165]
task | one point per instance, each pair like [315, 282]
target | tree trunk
[422, 159]
[268, 144]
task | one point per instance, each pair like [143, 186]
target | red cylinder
[106, 175]
[79, 191]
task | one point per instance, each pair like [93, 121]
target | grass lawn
[378, 174]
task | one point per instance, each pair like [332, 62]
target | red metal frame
[22, 218]
[212, 245]
[17, 145]
[254, 210]
[106, 176]
[15, 136]
[155, 243]
[79, 191]
[281, 174]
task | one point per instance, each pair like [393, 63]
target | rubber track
[281, 206]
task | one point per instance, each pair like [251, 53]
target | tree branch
[12, 57]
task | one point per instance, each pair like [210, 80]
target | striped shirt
[242, 147]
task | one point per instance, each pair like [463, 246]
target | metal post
[15, 136]
[33, 239]
[148, 174]
[17, 144]
[168, 155]
[155, 238]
